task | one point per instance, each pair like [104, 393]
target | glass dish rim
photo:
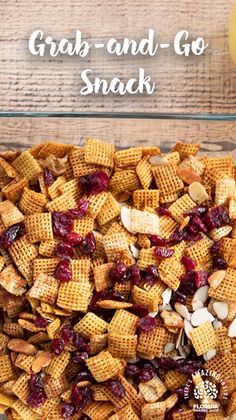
[118, 115]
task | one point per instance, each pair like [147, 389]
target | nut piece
[188, 176]
[42, 359]
[21, 346]
[221, 309]
[125, 216]
[157, 160]
[200, 316]
[232, 329]
[182, 311]
[197, 192]
[216, 278]
[172, 319]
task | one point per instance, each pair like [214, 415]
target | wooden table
[190, 85]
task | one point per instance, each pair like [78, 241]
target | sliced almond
[209, 354]
[166, 296]
[42, 359]
[157, 160]
[221, 309]
[179, 338]
[187, 327]
[182, 310]
[197, 304]
[197, 192]
[200, 316]
[125, 216]
[21, 346]
[201, 294]
[188, 176]
[134, 251]
[232, 329]
[153, 314]
[169, 347]
[184, 223]
[217, 324]
[216, 278]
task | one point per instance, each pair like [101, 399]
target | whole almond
[188, 176]
[197, 192]
[216, 278]
[21, 346]
[42, 359]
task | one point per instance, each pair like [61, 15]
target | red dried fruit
[151, 276]
[164, 211]
[197, 211]
[95, 182]
[35, 381]
[134, 275]
[140, 310]
[187, 285]
[188, 263]
[119, 272]
[67, 333]
[10, 235]
[216, 217]
[178, 297]
[84, 375]
[163, 252]
[219, 263]
[188, 366]
[145, 375]
[146, 324]
[79, 356]
[89, 244]
[81, 397]
[62, 224]
[81, 342]
[116, 388]
[36, 395]
[201, 278]
[67, 410]
[196, 225]
[74, 239]
[157, 240]
[131, 370]
[63, 271]
[48, 177]
[64, 250]
[177, 236]
[215, 249]
[41, 322]
[57, 346]
[79, 211]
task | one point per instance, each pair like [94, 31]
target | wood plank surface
[215, 137]
[191, 85]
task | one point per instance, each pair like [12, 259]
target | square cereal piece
[10, 214]
[181, 206]
[98, 342]
[74, 295]
[24, 362]
[96, 202]
[123, 288]
[175, 380]
[81, 270]
[124, 180]
[152, 343]
[185, 414]
[203, 338]
[122, 345]
[23, 411]
[57, 149]
[102, 276]
[229, 251]
[146, 258]
[167, 226]
[225, 190]
[45, 288]
[222, 364]
[91, 324]
[168, 198]
[99, 410]
[39, 227]
[145, 297]
[166, 178]
[152, 390]
[223, 340]
[44, 265]
[127, 412]
[21, 387]
[71, 187]
[22, 251]
[78, 164]
[12, 281]
[109, 210]
[13, 190]
[117, 228]
[226, 290]
[232, 208]
[27, 166]
[192, 163]
[144, 222]
[6, 368]
[56, 386]
[123, 322]
[103, 366]
[116, 247]
[32, 202]
[47, 248]
[53, 328]
[99, 152]
[146, 198]
[200, 253]
[186, 149]
[83, 226]
[53, 190]
[170, 271]
[144, 172]
[63, 202]
[58, 365]
[127, 158]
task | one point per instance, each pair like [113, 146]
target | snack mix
[117, 283]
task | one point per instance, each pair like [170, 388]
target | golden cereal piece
[39, 227]
[102, 366]
[144, 172]
[27, 166]
[32, 202]
[203, 338]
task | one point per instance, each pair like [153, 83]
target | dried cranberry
[67, 333]
[163, 252]
[197, 224]
[197, 211]
[88, 244]
[48, 177]
[116, 387]
[79, 356]
[157, 240]
[81, 397]
[219, 263]
[178, 297]
[201, 278]
[134, 274]
[131, 370]
[140, 310]
[187, 285]
[201, 415]
[216, 217]
[177, 236]
[10, 235]
[164, 211]
[63, 271]
[95, 182]
[188, 263]
[188, 366]
[119, 272]
[215, 248]
[41, 322]
[76, 395]
[79, 211]
[64, 250]
[169, 414]
[84, 417]
[35, 382]
[57, 346]
[84, 375]
[74, 239]
[36, 398]
[87, 398]
[192, 234]
[145, 375]
[67, 410]
[146, 324]
[81, 342]
[61, 223]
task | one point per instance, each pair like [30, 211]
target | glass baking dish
[215, 133]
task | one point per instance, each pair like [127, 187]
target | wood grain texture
[215, 138]
[192, 85]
